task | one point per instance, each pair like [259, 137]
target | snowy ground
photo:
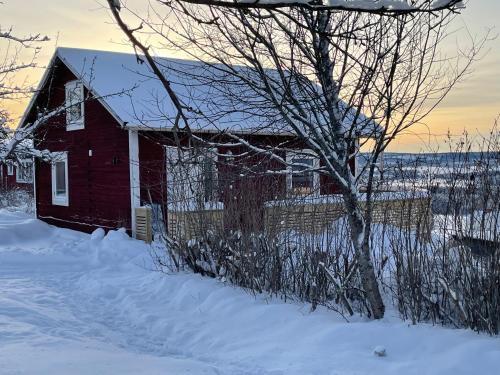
[70, 304]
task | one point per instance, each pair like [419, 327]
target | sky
[472, 106]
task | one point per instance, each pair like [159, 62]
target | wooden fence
[307, 217]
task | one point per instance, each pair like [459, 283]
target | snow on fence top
[337, 198]
[137, 99]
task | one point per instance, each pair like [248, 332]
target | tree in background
[18, 56]
[329, 73]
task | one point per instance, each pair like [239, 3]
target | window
[209, 176]
[60, 179]
[10, 169]
[301, 179]
[192, 178]
[24, 172]
[74, 105]
[302, 176]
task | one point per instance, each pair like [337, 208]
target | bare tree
[18, 56]
[383, 7]
[329, 74]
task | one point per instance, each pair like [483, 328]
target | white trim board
[34, 187]
[134, 172]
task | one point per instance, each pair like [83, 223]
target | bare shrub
[455, 278]
[299, 248]
[18, 199]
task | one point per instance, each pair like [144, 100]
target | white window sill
[74, 126]
[60, 202]
[24, 182]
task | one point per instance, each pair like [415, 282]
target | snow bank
[113, 315]
[18, 229]
[24, 239]
[194, 317]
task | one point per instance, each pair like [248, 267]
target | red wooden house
[113, 151]
[17, 174]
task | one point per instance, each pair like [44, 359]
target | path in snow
[72, 305]
[46, 327]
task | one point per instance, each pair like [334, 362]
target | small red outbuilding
[17, 174]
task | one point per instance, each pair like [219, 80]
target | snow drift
[104, 311]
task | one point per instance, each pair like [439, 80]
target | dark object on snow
[380, 351]
[479, 247]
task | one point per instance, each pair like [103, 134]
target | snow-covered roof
[137, 99]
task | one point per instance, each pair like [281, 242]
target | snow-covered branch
[24, 133]
[12, 85]
[388, 7]
[26, 41]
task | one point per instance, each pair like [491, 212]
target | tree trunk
[362, 249]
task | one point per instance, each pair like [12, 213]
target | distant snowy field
[75, 304]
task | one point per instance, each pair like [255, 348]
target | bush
[451, 277]
[17, 199]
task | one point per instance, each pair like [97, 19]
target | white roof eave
[96, 95]
[44, 79]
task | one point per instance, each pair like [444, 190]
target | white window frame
[19, 168]
[59, 200]
[80, 124]
[10, 170]
[302, 154]
[191, 199]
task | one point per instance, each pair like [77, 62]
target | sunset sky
[473, 105]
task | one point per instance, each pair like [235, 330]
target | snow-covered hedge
[451, 277]
[18, 199]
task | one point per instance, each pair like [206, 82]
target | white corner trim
[34, 187]
[356, 159]
[135, 181]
